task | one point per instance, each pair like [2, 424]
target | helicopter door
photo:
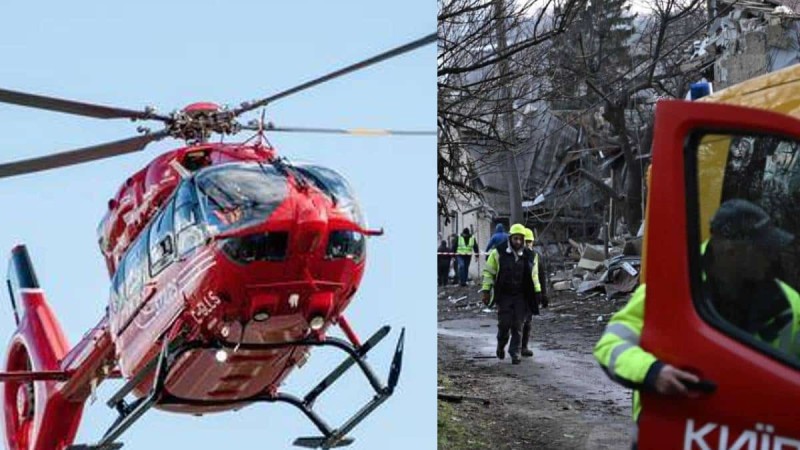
[146, 290]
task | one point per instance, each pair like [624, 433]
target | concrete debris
[561, 275]
[754, 37]
[594, 253]
[588, 286]
[594, 275]
[592, 258]
[562, 285]
[590, 276]
[590, 264]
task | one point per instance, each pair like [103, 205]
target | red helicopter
[227, 265]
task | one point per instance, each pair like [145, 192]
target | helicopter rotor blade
[75, 107]
[80, 155]
[249, 106]
[351, 131]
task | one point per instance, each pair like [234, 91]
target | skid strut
[130, 413]
[331, 437]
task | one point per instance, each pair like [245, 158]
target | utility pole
[514, 188]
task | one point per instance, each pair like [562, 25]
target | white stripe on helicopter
[197, 266]
[186, 283]
[200, 255]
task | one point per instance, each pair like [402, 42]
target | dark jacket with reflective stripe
[504, 279]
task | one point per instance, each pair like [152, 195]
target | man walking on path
[466, 246]
[509, 270]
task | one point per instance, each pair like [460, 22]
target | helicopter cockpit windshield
[335, 185]
[239, 194]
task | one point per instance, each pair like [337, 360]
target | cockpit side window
[187, 234]
[185, 207]
[117, 294]
[335, 185]
[135, 269]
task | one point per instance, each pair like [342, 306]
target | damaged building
[751, 38]
[571, 172]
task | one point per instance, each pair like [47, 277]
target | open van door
[703, 155]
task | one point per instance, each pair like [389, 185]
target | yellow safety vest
[464, 248]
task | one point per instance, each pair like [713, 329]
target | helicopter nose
[310, 226]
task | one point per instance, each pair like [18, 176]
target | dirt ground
[559, 399]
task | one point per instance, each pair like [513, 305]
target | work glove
[486, 297]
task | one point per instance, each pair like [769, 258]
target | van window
[162, 248]
[748, 211]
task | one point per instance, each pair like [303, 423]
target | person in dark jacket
[509, 271]
[499, 237]
[443, 262]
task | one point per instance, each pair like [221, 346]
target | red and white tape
[463, 254]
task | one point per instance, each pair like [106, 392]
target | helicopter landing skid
[130, 413]
[330, 438]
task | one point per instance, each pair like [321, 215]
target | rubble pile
[749, 38]
[596, 270]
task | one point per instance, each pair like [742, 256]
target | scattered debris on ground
[560, 399]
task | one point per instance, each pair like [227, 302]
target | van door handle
[705, 386]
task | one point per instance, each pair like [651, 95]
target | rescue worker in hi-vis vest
[466, 247]
[509, 270]
[539, 286]
[739, 267]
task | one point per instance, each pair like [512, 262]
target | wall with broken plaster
[751, 41]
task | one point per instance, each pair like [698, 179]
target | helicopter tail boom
[35, 409]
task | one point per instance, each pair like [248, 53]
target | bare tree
[482, 85]
[616, 63]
